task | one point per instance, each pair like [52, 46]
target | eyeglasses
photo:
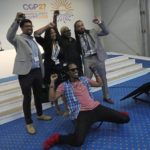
[73, 69]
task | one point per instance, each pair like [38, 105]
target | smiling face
[79, 27]
[27, 28]
[66, 32]
[73, 71]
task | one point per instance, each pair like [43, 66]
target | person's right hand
[20, 15]
[51, 25]
[53, 77]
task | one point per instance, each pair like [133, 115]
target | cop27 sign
[34, 6]
[35, 10]
[41, 10]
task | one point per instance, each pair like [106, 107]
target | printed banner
[41, 13]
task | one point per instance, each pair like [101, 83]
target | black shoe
[108, 100]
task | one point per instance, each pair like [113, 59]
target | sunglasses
[66, 31]
[73, 69]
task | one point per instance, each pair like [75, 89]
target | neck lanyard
[86, 41]
[55, 50]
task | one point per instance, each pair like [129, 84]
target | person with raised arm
[90, 46]
[83, 109]
[28, 66]
[53, 56]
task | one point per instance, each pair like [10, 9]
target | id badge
[91, 52]
[57, 62]
[87, 54]
[36, 59]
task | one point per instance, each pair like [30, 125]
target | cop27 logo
[65, 9]
[35, 11]
[34, 7]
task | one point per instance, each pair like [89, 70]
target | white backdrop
[41, 13]
[122, 18]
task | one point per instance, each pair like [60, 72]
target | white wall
[6, 63]
[97, 8]
[148, 7]
[122, 18]
[74, 10]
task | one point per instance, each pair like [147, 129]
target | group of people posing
[64, 57]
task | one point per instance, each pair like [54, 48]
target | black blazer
[71, 52]
[47, 45]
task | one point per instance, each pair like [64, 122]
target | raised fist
[93, 68]
[56, 12]
[20, 16]
[53, 77]
[96, 21]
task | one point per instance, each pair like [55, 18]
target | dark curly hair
[24, 21]
[47, 34]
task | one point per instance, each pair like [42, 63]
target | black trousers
[51, 69]
[86, 118]
[33, 80]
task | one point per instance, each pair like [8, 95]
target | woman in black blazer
[53, 56]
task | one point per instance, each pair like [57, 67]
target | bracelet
[96, 74]
[51, 85]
